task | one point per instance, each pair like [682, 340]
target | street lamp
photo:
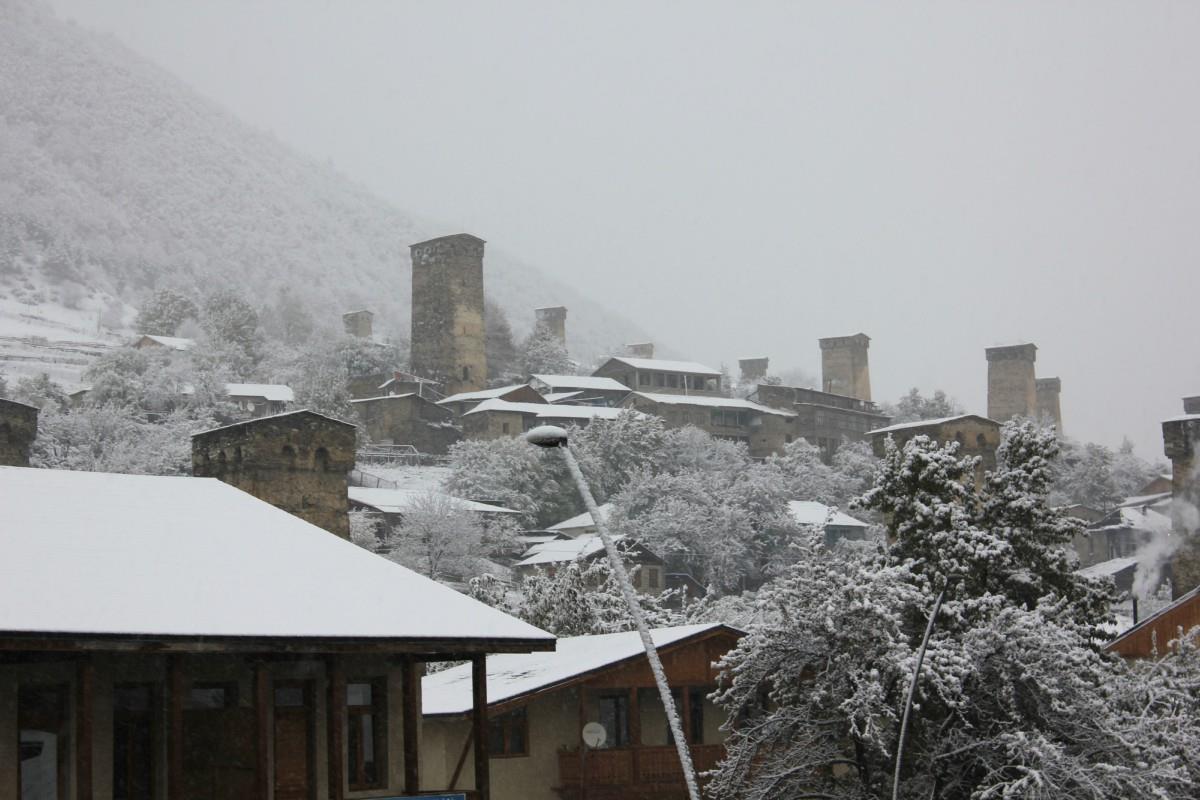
[551, 436]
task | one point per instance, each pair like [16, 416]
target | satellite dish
[594, 735]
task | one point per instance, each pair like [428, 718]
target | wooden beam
[262, 731]
[480, 726]
[411, 696]
[175, 691]
[436, 649]
[85, 694]
[335, 715]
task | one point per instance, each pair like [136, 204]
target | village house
[1120, 534]
[823, 419]
[392, 504]
[582, 390]
[976, 436]
[538, 705]
[648, 570]
[260, 399]
[175, 637]
[837, 526]
[169, 344]
[408, 419]
[581, 524]
[496, 418]
[764, 430]
[463, 402]
[661, 376]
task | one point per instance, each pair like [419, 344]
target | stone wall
[359, 323]
[976, 436]
[753, 369]
[448, 339]
[296, 462]
[1012, 385]
[554, 319]
[18, 429]
[640, 350]
[844, 365]
[1048, 392]
[1180, 437]
[408, 419]
[487, 425]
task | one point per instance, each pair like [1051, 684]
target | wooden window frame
[378, 709]
[516, 719]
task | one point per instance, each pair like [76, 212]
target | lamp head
[547, 436]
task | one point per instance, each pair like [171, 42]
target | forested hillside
[116, 179]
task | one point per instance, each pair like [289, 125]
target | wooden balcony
[631, 772]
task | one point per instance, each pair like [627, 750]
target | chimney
[1180, 438]
[844, 367]
[640, 350]
[296, 462]
[1048, 406]
[18, 429]
[448, 339]
[359, 323]
[1012, 385]
[753, 370]
[553, 318]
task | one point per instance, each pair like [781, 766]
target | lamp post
[551, 436]
[912, 691]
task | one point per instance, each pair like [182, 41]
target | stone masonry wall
[18, 429]
[448, 340]
[555, 319]
[408, 420]
[844, 366]
[1012, 384]
[1180, 438]
[1049, 391]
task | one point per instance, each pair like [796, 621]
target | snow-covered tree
[544, 353]
[501, 348]
[915, 406]
[164, 311]
[437, 537]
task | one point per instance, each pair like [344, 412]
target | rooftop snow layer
[1107, 568]
[712, 402]
[923, 423]
[587, 382]
[173, 342]
[583, 520]
[810, 512]
[558, 397]
[557, 551]
[98, 553]
[1135, 517]
[397, 501]
[510, 676]
[483, 394]
[660, 365]
[547, 411]
[276, 392]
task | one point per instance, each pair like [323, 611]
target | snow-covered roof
[1107, 568]
[558, 397]
[1184, 418]
[397, 501]
[583, 520]
[514, 675]
[546, 410]
[483, 394]
[810, 512]
[1135, 517]
[173, 342]
[587, 382]
[557, 551]
[661, 365]
[1146, 499]
[712, 402]
[96, 553]
[276, 392]
[259, 420]
[926, 423]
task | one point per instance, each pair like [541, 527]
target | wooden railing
[633, 765]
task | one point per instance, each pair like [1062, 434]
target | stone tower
[640, 350]
[1048, 405]
[18, 429]
[359, 323]
[753, 369]
[553, 318]
[296, 462]
[844, 368]
[1181, 436]
[448, 340]
[1012, 386]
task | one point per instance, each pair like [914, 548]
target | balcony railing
[633, 766]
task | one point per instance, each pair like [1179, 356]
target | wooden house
[1154, 634]
[550, 556]
[173, 637]
[539, 703]
[661, 376]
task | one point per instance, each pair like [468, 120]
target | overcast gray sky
[743, 178]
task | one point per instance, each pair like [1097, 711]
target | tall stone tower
[640, 350]
[1181, 437]
[448, 339]
[1012, 385]
[554, 319]
[297, 462]
[753, 369]
[18, 429]
[844, 367]
[1048, 405]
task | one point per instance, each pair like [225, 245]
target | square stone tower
[640, 350]
[18, 429]
[753, 369]
[1012, 384]
[1048, 405]
[448, 339]
[359, 323]
[844, 367]
[553, 319]
[1181, 436]
[296, 462]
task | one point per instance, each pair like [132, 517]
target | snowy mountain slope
[116, 178]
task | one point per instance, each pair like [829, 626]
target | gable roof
[587, 382]
[1139, 518]
[711, 402]
[397, 501]
[173, 342]
[929, 423]
[1160, 628]
[276, 392]
[483, 394]
[547, 410]
[275, 417]
[661, 365]
[558, 551]
[510, 677]
[810, 512]
[87, 554]
[583, 520]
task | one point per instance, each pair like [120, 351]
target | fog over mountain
[741, 180]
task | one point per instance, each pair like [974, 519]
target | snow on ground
[51, 339]
[417, 479]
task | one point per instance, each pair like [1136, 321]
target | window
[692, 717]
[653, 578]
[212, 696]
[44, 742]
[466, 374]
[673, 381]
[366, 733]
[508, 734]
[614, 716]
[660, 379]
[504, 427]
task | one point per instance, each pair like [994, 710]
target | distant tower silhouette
[1012, 385]
[553, 319]
[844, 366]
[1049, 406]
[448, 340]
[359, 323]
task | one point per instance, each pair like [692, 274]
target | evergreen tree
[164, 311]
[543, 353]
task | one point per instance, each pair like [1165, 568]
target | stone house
[408, 419]
[661, 376]
[494, 419]
[297, 462]
[550, 556]
[976, 436]
[538, 705]
[823, 419]
[18, 429]
[171, 344]
[174, 637]
[463, 402]
[764, 430]
[585, 390]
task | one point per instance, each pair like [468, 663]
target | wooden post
[85, 686]
[635, 733]
[685, 700]
[262, 731]
[411, 696]
[335, 715]
[175, 690]
[480, 726]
